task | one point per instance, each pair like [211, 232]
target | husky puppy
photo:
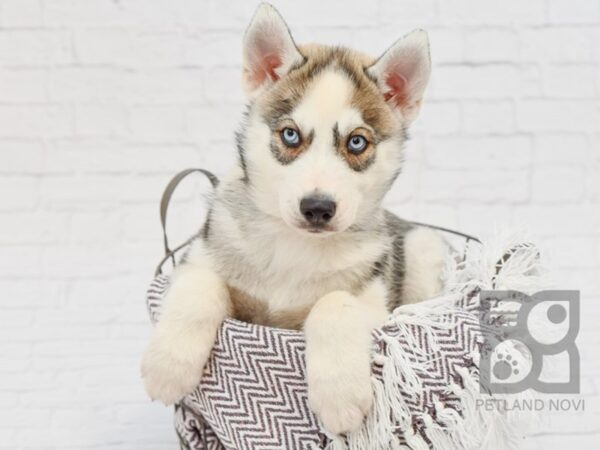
[296, 236]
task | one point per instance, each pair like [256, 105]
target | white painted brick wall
[101, 101]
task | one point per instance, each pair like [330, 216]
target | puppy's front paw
[172, 366]
[341, 398]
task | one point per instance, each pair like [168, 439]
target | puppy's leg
[195, 305]
[338, 349]
[425, 254]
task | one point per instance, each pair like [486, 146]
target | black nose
[317, 210]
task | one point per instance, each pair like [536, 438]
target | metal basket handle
[164, 207]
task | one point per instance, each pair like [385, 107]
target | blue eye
[357, 144]
[290, 137]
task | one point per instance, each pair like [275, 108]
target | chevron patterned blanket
[253, 394]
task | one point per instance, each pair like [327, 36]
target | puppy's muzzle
[318, 210]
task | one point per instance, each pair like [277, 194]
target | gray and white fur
[296, 236]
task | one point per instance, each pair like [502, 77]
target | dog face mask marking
[325, 123]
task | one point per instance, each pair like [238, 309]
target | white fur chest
[284, 269]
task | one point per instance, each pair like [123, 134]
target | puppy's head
[323, 139]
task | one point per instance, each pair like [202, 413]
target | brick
[107, 158]
[132, 413]
[91, 192]
[21, 293]
[53, 330]
[325, 14]
[81, 261]
[118, 375]
[103, 46]
[69, 13]
[152, 14]
[195, 16]
[573, 11]
[531, 81]
[101, 120]
[8, 400]
[168, 86]
[492, 13]
[561, 148]
[439, 117]
[585, 440]
[15, 380]
[157, 123]
[556, 44]
[33, 228]
[86, 85]
[35, 121]
[595, 35]
[488, 117]
[146, 188]
[219, 48]
[574, 252]
[423, 11]
[21, 13]
[157, 49]
[479, 154]
[94, 227]
[595, 144]
[27, 292]
[208, 123]
[18, 193]
[117, 46]
[447, 46]
[223, 85]
[570, 81]
[556, 184]
[558, 220]
[483, 221]
[557, 115]
[443, 215]
[479, 186]
[593, 181]
[489, 81]
[35, 48]
[21, 418]
[22, 86]
[89, 156]
[92, 292]
[494, 45]
[141, 224]
[75, 348]
[21, 157]
[14, 318]
[584, 280]
[164, 158]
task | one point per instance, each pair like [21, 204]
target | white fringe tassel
[475, 427]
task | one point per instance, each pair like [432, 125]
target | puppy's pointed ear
[269, 50]
[402, 73]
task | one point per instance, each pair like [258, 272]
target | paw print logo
[510, 362]
[523, 332]
[505, 367]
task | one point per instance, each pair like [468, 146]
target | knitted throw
[425, 375]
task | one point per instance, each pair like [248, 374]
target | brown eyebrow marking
[280, 100]
[362, 161]
[283, 153]
[285, 94]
